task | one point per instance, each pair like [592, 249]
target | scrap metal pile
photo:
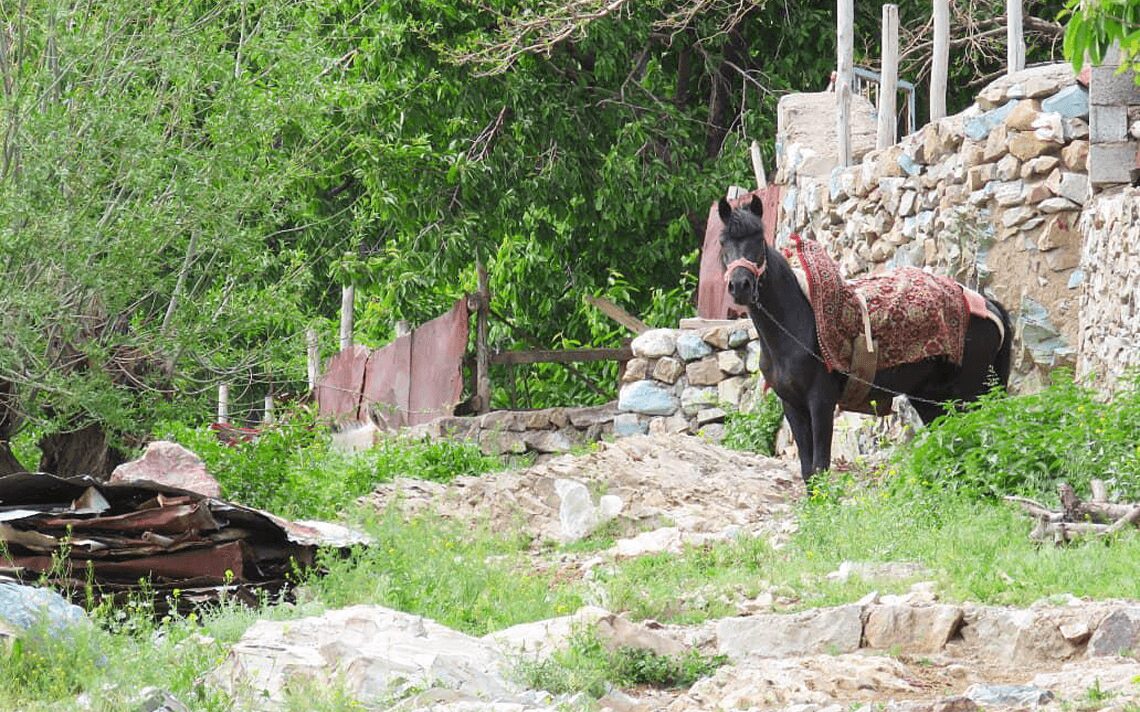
[123, 537]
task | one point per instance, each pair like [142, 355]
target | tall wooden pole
[482, 349]
[267, 414]
[313, 354]
[346, 305]
[845, 56]
[889, 79]
[224, 403]
[1015, 40]
[758, 166]
[940, 62]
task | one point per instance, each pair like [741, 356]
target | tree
[1095, 25]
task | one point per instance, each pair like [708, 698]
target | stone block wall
[1110, 304]
[991, 196]
[1114, 123]
[683, 380]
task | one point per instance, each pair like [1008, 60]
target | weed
[756, 430]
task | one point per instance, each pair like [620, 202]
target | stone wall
[683, 380]
[1110, 304]
[680, 380]
[991, 196]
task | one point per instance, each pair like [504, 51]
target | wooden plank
[845, 60]
[889, 78]
[618, 314]
[313, 357]
[562, 356]
[1015, 39]
[758, 166]
[482, 349]
[223, 403]
[940, 63]
[698, 324]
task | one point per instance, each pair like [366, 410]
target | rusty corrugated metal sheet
[713, 301]
[416, 378]
[70, 529]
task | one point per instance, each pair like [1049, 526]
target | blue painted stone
[738, 337]
[1076, 279]
[626, 424]
[647, 398]
[691, 347]
[1072, 102]
[979, 127]
[25, 607]
[908, 164]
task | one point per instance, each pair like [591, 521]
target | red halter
[747, 264]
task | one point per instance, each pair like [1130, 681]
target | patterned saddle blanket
[914, 315]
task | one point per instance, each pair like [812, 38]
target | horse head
[743, 252]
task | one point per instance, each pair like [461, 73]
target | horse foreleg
[822, 414]
[800, 423]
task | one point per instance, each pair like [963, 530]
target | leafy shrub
[1028, 444]
[756, 430]
[291, 470]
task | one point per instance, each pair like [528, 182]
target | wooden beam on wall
[940, 62]
[618, 314]
[889, 79]
[845, 61]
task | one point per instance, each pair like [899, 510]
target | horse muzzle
[742, 276]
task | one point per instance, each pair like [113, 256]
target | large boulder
[168, 464]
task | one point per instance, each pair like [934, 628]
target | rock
[1056, 205]
[911, 629]
[979, 128]
[1008, 168]
[1033, 82]
[1075, 156]
[654, 343]
[710, 415]
[693, 398]
[1019, 637]
[1022, 116]
[729, 390]
[1008, 695]
[1072, 102]
[169, 464]
[730, 362]
[690, 346]
[997, 144]
[739, 336]
[636, 369]
[1074, 187]
[668, 370]
[647, 398]
[705, 372]
[1026, 145]
[153, 699]
[1048, 127]
[548, 441]
[957, 703]
[1075, 129]
[832, 631]
[1040, 165]
[752, 358]
[541, 639]
[24, 608]
[977, 176]
[671, 425]
[1117, 633]
[577, 513]
[1009, 193]
[626, 424]
[665, 539]
[617, 632]
[372, 653]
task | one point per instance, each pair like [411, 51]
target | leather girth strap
[864, 362]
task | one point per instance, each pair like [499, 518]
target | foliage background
[184, 186]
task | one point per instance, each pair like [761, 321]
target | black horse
[760, 279]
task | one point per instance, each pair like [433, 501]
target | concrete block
[1108, 123]
[1107, 87]
[1112, 162]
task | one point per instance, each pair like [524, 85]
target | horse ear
[724, 209]
[756, 206]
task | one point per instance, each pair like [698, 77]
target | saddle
[877, 322]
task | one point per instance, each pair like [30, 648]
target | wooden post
[312, 349]
[224, 403]
[482, 349]
[940, 62]
[1015, 39]
[267, 413]
[758, 166]
[889, 79]
[845, 56]
[347, 296]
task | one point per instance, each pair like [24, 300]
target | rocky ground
[908, 652]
